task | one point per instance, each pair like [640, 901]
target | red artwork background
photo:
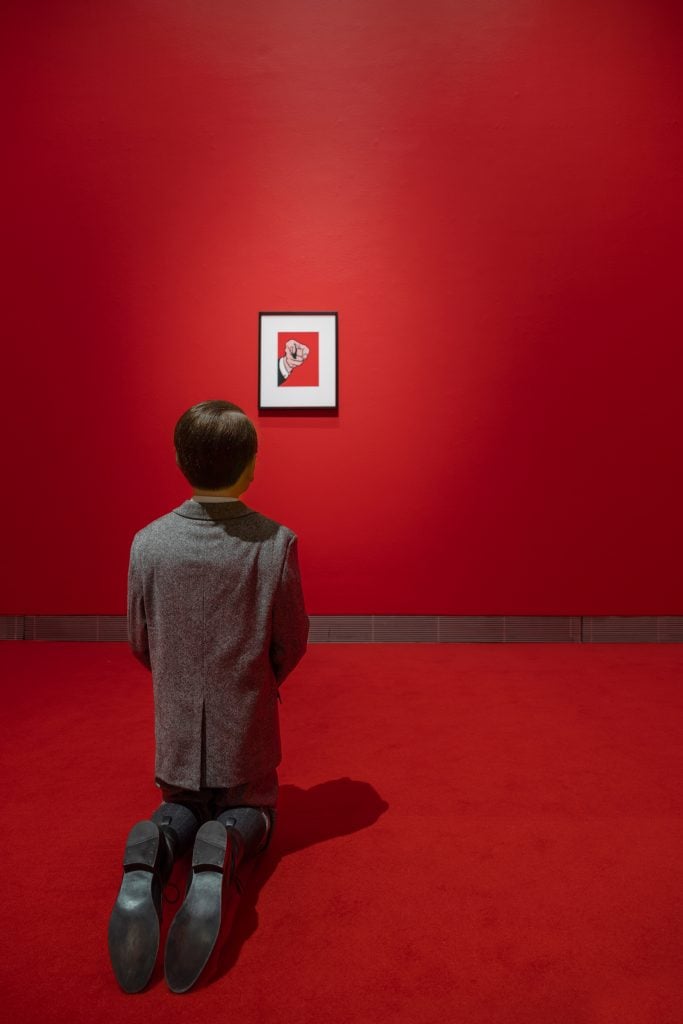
[307, 375]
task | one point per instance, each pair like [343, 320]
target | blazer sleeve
[137, 621]
[290, 621]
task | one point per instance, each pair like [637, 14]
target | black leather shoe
[135, 919]
[195, 928]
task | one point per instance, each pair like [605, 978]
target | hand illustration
[295, 354]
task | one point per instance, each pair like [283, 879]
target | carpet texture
[470, 833]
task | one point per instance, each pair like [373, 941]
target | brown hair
[214, 441]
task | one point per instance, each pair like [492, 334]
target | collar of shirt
[205, 499]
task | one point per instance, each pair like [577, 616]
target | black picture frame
[272, 396]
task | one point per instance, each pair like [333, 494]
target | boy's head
[215, 442]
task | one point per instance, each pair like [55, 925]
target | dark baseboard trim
[382, 629]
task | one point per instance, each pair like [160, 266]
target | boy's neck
[225, 492]
[234, 491]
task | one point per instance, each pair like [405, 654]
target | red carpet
[467, 833]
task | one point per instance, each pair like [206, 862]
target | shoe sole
[195, 928]
[134, 922]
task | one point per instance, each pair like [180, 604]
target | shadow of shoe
[305, 817]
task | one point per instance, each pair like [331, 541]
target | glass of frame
[298, 361]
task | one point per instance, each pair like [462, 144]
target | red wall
[490, 195]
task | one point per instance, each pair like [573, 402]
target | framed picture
[298, 361]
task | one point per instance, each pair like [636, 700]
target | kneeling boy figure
[216, 611]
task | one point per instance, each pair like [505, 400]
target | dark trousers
[248, 808]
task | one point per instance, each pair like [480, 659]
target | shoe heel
[210, 847]
[142, 847]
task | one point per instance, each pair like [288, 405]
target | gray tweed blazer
[216, 611]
